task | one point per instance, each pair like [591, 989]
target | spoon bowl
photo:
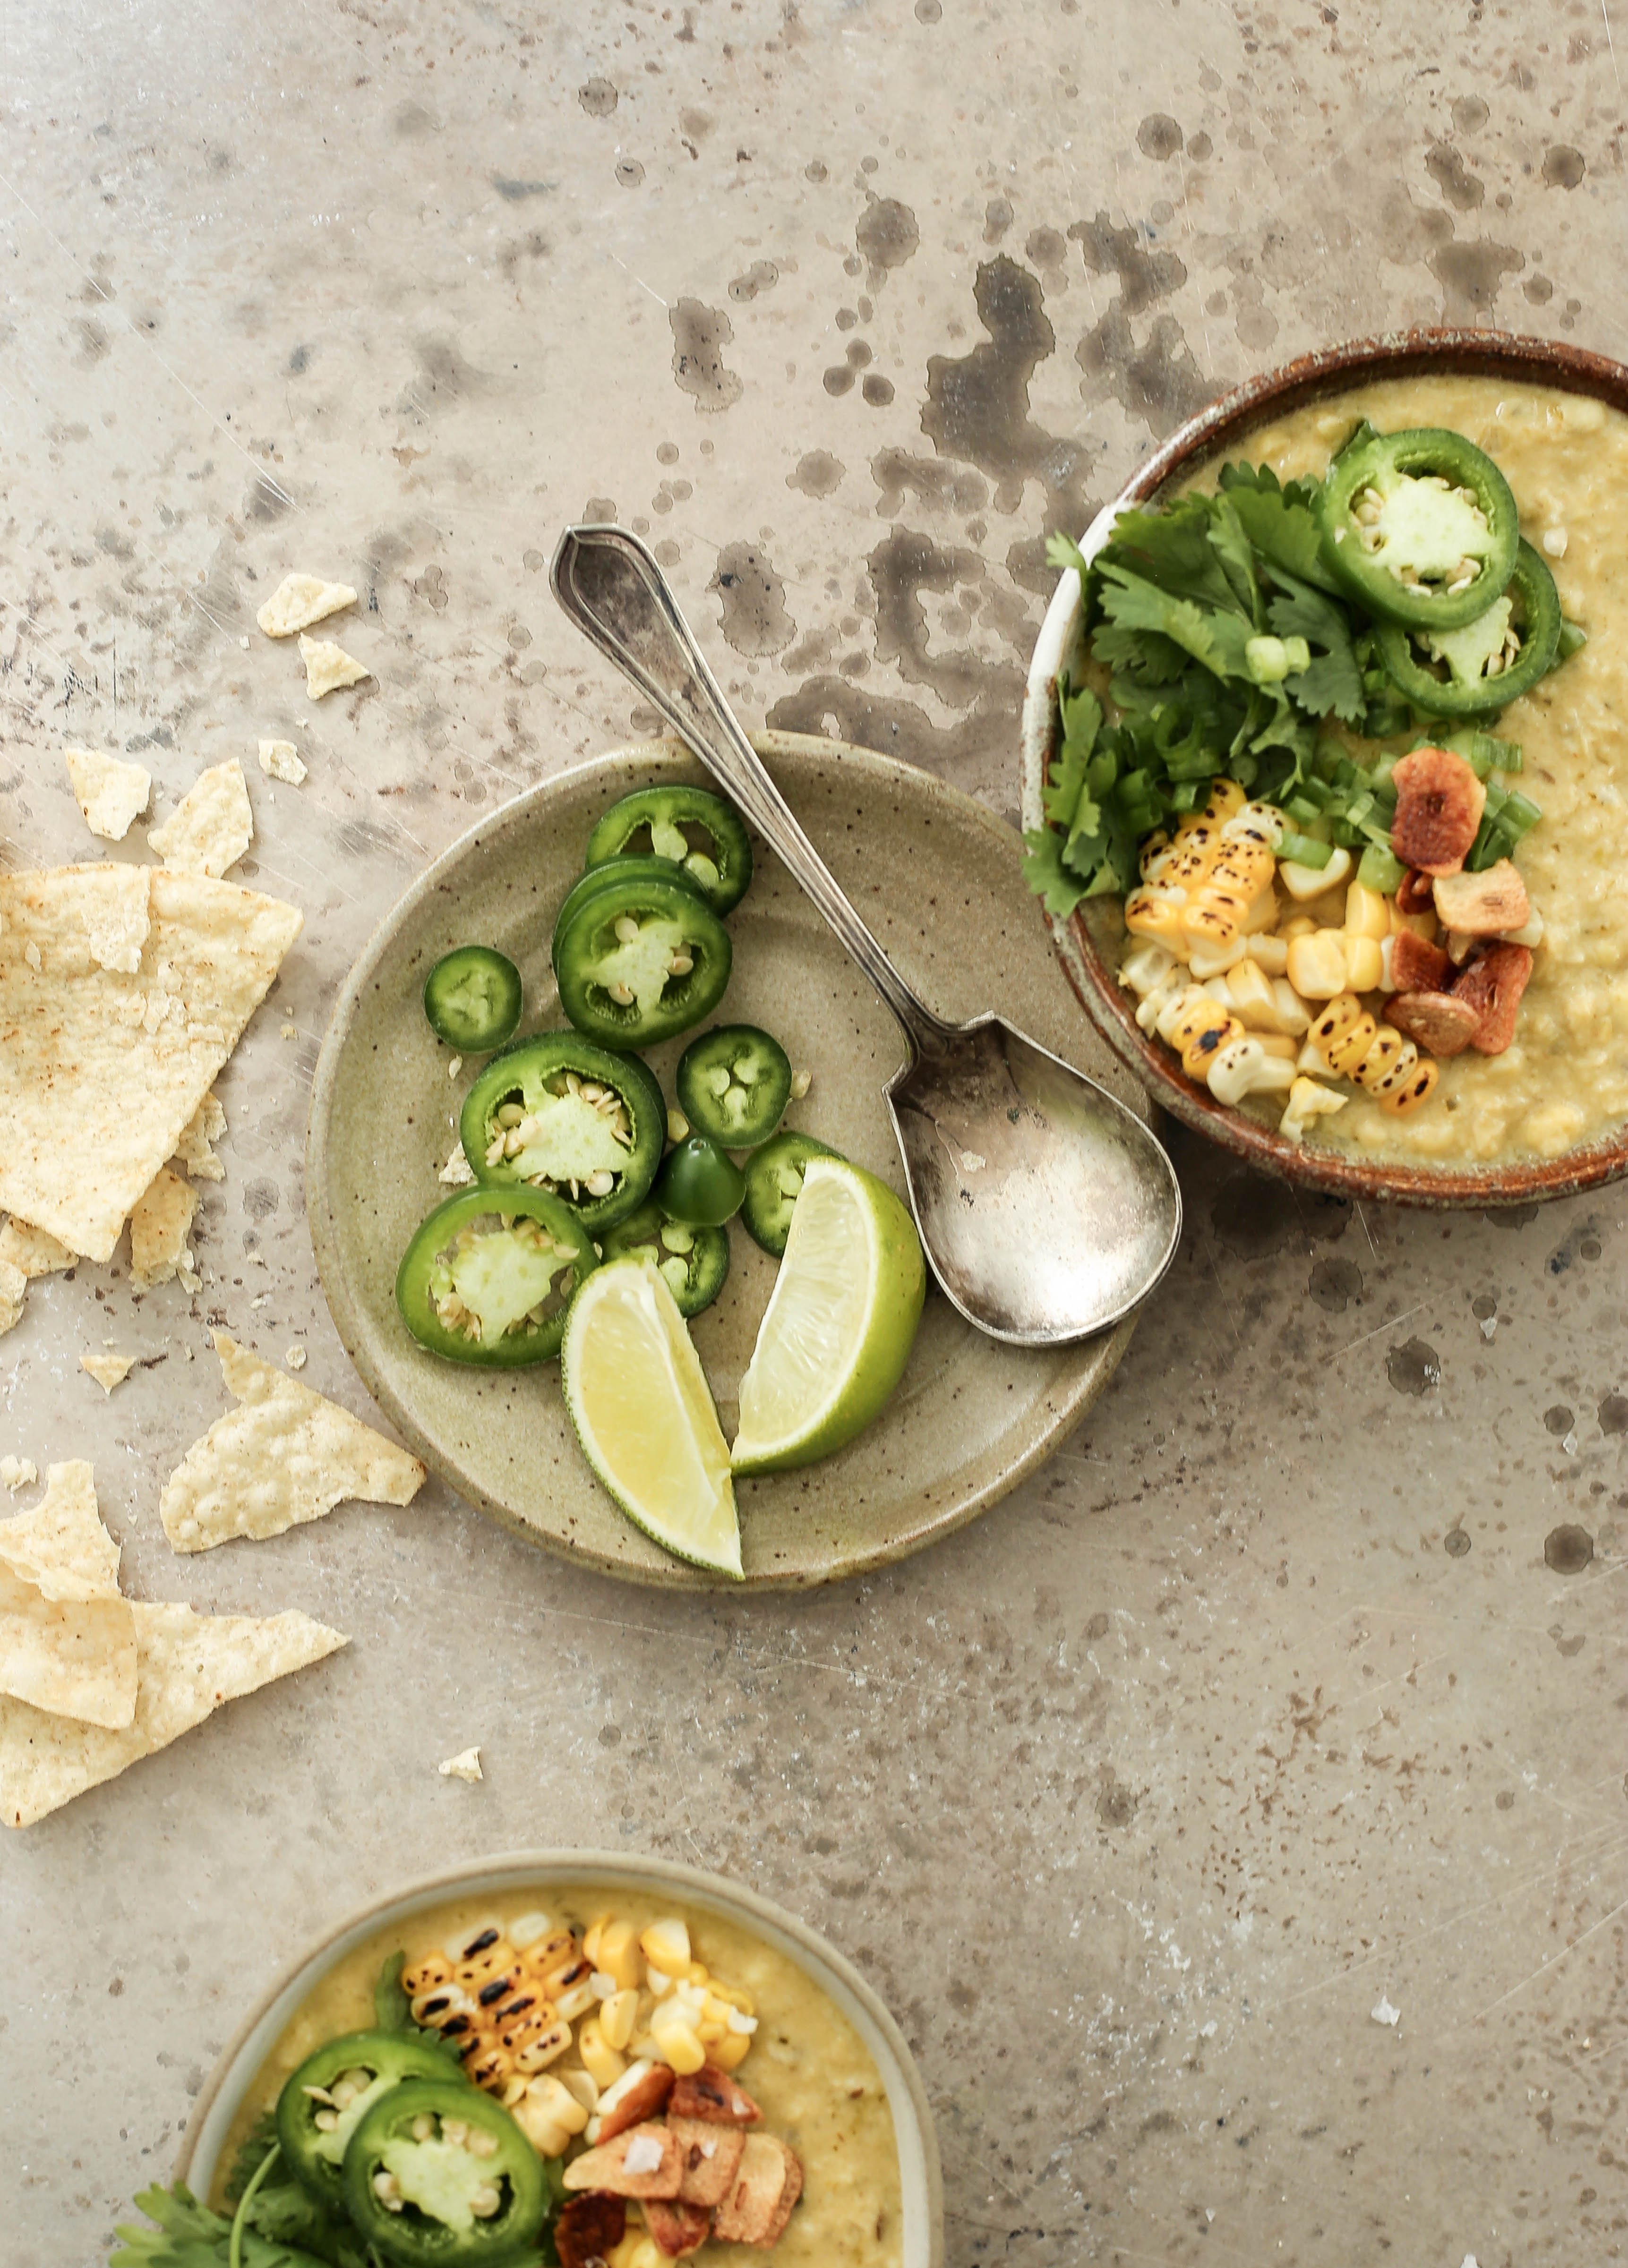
[1046, 1209]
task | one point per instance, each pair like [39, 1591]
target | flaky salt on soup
[1341, 736]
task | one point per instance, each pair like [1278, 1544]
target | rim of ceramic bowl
[921, 2181]
[1310, 378]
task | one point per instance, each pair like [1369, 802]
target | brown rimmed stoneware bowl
[215, 2111]
[1088, 942]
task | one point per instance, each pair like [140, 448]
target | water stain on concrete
[1414, 1367]
[1455, 1543]
[1158, 380]
[1613, 1414]
[445, 378]
[1564, 167]
[886, 236]
[761, 276]
[1463, 189]
[1116, 1805]
[1255, 1218]
[753, 598]
[835, 707]
[998, 218]
[1568, 1648]
[1471, 276]
[943, 487]
[818, 474]
[1159, 136]
[598, 97]
[1470, 114]
[515, 192]
[1334, 1285]
[1567, 1549]
[1558, 1420]
[977, 405]
[700, 334]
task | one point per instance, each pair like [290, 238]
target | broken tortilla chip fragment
[109, 792]
[195, 1148]
[211, 828]
[187, 1666]
[279, 760]
[67, 1638]
[116, 920]
[160, 1223]
[285, 1455]
[17, 1472]
[299, 600]
[328, 667]
[121, 1059]
[24, 1253]
[108, 1370]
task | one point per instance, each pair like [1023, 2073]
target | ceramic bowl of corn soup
[577, 2056]
[1325, 770]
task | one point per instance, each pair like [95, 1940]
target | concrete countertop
[1262, 1710]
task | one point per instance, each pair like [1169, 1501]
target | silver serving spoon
[1046, 1208]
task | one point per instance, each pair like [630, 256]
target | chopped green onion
[1379, 869]
[1305, 851]
[1573, 638]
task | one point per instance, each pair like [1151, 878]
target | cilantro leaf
[1333, 684]
[391, 2011]
[1062, 552]
[1285, 534]
[1231, 546]
[1215, 637]
[1058, 890]
[1172, 550]
[188, 2236]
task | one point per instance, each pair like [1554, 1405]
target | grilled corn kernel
[1155, 912]
[1245, 863]
[1269, 954]
[1345, 1055]
[1245, 1068]
[424, 1976]
[1365, 963]
[1225, 799]
[577, 2000]
[619, 1955]
[1338, 1018]
[1198, 1058]
[680, 2047]
[557, 2102]
[1317, 964]
[546, 1955]
[489, 2064]
[545, 2049]
[529, 1930]
[1197, 833]
[469, 1944]
[1209, 960]
[600, 2059]
[591, 1937]
[616, 2019]
[1308, 1101]
[1368, 912]
[1215, 915]
[1152, 856]
[666, 1945]
[1196, 1013]
[1385, 1054]
[1306, 883]
[1417, 1087]
[732, 2051]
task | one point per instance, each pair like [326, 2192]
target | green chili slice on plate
[690, 828]
[487, 1279]
[556, 1113]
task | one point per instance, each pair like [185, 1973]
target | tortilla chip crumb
[291, 1031]
[109, 792]
[188, 1276]
[195, 1148]
[284, 1456]
[457, 1173]
[295, 1357]
[32, 1250]
[211, 828]
[328, 667]
[466, 1766]
[17, 1472]
[280, 760]
[299, 600]
[159, 1227]
[108, 1370]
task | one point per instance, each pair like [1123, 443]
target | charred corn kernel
[1368, 912]
[425, 1975]
[1280, 1044]
[577, 2000]
[1333, 1021]
[1195, 1014]
[1344, 1054]
[1364, 963]
[1216, 919]
[616, 2017]
[1155, 910]
[525, 2023]
[619, 1955]
[1209, 960]
[546, 2048]
[1317, 964]
[603, 2061]
[1226, 798]
[1196, 832]
[732, 2051]
[546, 1955]
[1387, 1052]
[1418, 1086]
[1269, 954]
[1308, 1101]
[1244, 1067]
[477, 1969]
[488, 2065]
[1262, 822]
[1197, 1058]
[1246, 863]
[444, 2007]
[1151, 854]
[529, 1930]
[1144, 966]
[591, 1937]
[469, 1944]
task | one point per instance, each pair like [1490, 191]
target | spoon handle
[613, 590]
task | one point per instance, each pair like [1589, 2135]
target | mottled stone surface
[1292, 1689]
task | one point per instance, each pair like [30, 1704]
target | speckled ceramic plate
[937, 877]
[921, 2189]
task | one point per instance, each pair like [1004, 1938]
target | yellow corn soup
[1564, 1079]
[808, 2069]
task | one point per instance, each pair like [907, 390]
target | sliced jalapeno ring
[1420, 526]
[690, 828]
[1481, 668]
[774, 1182]
[557, 1114]
[698, 1185]
[472, 998]
[324, 2101]
[489, 1276]
[734, 1084]
[438, 2175]
[620, 870]
[693, 1262]
[640, 962]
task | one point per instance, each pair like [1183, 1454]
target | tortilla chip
[194, 1149]
[159, 1227]
[465, 1765]
[67, 1638]
[284, 1456]
[17, 1472]
[13, 1284]
[187, 1665]
[101, 1070]
[299, 600]
[211, 828]
[108, 1370]
[280, 760]
[328, 667]
[110, 792]
[32, 1250]
[115, 920]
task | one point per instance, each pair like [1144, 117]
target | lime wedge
[840, 1323]
[637, 1397]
